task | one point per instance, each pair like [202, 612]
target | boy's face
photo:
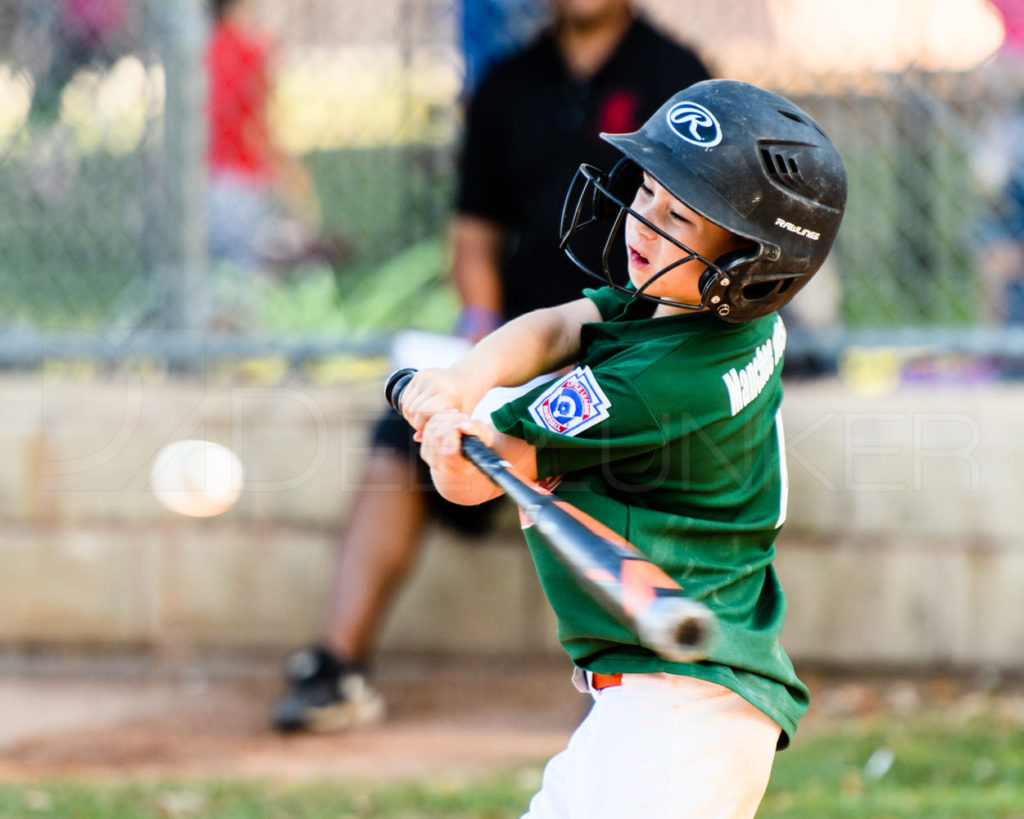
[647, 252]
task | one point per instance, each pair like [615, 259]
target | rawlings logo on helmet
[695, 124]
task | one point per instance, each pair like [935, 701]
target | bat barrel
[677, 628]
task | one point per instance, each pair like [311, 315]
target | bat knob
[395, 386]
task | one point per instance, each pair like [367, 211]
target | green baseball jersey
[668, 431]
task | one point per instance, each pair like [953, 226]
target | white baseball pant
[660, 746]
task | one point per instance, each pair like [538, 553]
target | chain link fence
[109, 240]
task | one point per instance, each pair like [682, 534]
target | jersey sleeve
[581, 420]
[609, 301]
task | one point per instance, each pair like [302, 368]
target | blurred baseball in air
[199, 479]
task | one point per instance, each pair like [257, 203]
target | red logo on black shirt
[618, 113]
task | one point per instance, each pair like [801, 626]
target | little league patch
[571, 404]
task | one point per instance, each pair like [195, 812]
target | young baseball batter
[668, 430]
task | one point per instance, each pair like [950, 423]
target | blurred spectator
[599, 66]
[1003, 235]
[999, 167]
[60, 37]
[263, 205]
[1012, 14]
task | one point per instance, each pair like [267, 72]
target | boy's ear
[622, 183]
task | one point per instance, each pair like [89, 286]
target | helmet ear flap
[621, 183]
[718, 286]
[726, 263]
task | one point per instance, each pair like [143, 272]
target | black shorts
[393, 433]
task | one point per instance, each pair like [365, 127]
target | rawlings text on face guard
[589, 206]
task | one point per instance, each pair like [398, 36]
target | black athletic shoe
[325, 693]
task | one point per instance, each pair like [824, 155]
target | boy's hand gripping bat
[610, 568]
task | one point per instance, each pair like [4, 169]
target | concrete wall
[905, 541]
[906, 535]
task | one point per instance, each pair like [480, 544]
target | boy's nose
[644, 229]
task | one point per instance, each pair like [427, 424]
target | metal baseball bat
[609, 567]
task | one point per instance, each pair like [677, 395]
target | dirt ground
[94, 719]
[445, 717]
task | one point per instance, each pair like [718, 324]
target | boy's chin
[636, 278]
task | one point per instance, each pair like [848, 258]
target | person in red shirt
[238, 60]
[263, 206]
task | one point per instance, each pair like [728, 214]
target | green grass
[944, 766]
[491, 799]
[941, 768]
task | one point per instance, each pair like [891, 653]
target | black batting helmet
[744, 158]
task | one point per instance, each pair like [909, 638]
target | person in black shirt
[533, 119]
[599, 66]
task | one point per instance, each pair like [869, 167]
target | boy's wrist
[472, 376]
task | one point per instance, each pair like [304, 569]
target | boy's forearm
[532, 344]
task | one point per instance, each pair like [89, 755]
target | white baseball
[196, 478]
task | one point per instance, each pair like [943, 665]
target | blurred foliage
[92, 263]
[69, 267]
[905, 252]
[84, 236]
[410, 289]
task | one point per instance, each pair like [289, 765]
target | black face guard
[592, 204]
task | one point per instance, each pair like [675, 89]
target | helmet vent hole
[758, 290]
[797, 118]
[773, 288]
[784, 170]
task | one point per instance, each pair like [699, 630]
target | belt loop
[581, 680]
